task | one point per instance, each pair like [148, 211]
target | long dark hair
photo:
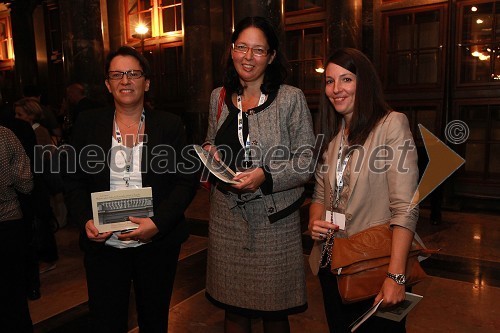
[369, 104]
[276, 71]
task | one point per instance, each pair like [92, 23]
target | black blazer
[172, 190]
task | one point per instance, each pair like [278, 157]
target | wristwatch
[399, 278]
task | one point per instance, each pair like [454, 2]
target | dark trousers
[110, 274]
[340, 316]
[44, 223]
[14, 311]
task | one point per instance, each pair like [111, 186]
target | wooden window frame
[458, 37]
[305, 11]
[156, 24]
[385, 42]
[303, 27]
[7, 63]
[485, 174]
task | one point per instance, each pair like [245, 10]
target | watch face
[400, 278]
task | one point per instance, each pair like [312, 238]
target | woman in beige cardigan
[367, 176]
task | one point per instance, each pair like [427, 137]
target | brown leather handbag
[204, 177]
[360, 263]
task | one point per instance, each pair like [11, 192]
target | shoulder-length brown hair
[369, 103]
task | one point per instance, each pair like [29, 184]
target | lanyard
[128, 159]
[246, 144]
[326, 253]
[341, 165]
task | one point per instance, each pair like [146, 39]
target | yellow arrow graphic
[443, 162]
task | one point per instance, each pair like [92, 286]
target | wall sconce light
[141, 30]
[319, 67]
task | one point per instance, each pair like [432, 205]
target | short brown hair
[31, 106]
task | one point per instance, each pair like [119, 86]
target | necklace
[128, 126]
[128, 160]
[246, 144]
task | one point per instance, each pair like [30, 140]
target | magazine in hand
[217, 168]
[111, 209]
[394, 313]
[399, 311]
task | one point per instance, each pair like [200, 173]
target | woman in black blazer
[147, 256]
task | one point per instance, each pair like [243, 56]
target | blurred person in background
[15, 176]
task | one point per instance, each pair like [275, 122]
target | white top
[118, 158]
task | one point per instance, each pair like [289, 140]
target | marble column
[198, 67]
[367, 28]
[24, 44]
[82, 41]
[344, 24]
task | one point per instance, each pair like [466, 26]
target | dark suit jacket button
[348, 217]
[270, 210]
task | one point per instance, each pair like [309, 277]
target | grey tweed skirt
[254, 267]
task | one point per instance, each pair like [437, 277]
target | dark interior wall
[83, 43]
[220, 34]
[116, 25]
[26, 70]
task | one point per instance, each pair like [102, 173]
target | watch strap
[398, 278]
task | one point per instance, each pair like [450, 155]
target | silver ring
[321, 235]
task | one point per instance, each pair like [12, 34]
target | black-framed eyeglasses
[256, 51]
[131, 74]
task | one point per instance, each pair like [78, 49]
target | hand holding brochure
[399, 311]
[217, 168]
[111, 209]
[394, 313]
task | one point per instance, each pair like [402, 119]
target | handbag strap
[222, 96]
[326, 254]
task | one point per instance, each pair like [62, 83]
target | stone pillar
[198, 67]
[344, 24]
[367, 28]
[24, 44]
[270, 9]
[83, 47]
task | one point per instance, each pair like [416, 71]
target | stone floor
[461, 294]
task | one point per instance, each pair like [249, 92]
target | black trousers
[111, 272]
[340, 316]
[14, 311]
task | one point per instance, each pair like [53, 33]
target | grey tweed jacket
[282, 143]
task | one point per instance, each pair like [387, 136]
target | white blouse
[118, 160]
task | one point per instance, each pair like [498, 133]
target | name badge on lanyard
[128, 157]
[334, 217]
[246, 143]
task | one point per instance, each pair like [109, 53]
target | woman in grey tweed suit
[255, 263]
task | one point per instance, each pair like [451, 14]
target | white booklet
[111, 209]
[399, 311]
[364, 317]
[217, 168]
